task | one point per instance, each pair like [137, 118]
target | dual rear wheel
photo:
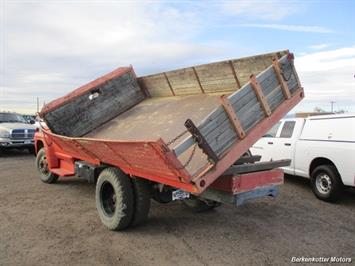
[122, 201]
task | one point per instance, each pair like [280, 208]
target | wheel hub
[323, 183]
[108, 199]
[43, 165]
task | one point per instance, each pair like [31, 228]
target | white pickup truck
[321, 148]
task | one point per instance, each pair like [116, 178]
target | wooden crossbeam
[283, 83]
[232, 116]
[260, 95]
[168, 81]
[198, 79]
[234, 74]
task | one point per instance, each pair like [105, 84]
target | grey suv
[15, 132]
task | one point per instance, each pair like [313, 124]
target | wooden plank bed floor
[157, 117]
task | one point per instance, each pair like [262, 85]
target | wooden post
[260, 95]
[168, 81]
[283, 84]
[232, 116]
[234, 74]
[198, 80]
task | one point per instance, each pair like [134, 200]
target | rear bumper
[238, 189]
[243, 197]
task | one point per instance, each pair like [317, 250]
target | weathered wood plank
[84, 113]
[219, 77]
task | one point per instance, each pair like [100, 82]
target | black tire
[42, 167]
[114, 199]
[326, 183]
[142, 193]
[197, 205]
[164, 196]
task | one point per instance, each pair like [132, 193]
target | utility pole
[332, 103]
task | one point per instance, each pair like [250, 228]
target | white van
[321, 148]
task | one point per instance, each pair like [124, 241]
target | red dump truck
[177, 135]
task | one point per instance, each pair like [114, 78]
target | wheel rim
[43, 165]
[323, 183]
[108, 198]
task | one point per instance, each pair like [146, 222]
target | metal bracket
[260, 95]
[200, 140]
[232, 116]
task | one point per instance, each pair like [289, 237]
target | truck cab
[282, 137]
[315, 143]
[15, 132]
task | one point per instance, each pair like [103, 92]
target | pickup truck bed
[181, 130]
[148, 126]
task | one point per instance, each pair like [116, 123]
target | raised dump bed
[181, 129]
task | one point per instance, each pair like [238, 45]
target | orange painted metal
[249, 181]
[152, 160]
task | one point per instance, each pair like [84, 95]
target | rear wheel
[142, 193]
[197, 205]
[114, 199]
[42, 167]
[326, 183]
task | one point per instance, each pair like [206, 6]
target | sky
[48, 48]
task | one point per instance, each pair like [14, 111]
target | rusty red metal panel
[246, 182]
[150, 159]
[205, 178]
[83, 89]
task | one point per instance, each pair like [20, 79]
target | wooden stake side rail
[205, 178]
[218, 77]
[212, 171]
[263, 92]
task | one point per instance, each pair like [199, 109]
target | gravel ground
[57, 224]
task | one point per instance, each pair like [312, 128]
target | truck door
[265, 145]
[284, 144]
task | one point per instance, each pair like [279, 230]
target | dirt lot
[44, 224]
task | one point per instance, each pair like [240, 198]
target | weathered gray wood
[219, 77]
[184, 147]
[81, 115]
[218, 130]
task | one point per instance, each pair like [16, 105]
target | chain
[190, 157]
[176, 138]
[192, 152]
